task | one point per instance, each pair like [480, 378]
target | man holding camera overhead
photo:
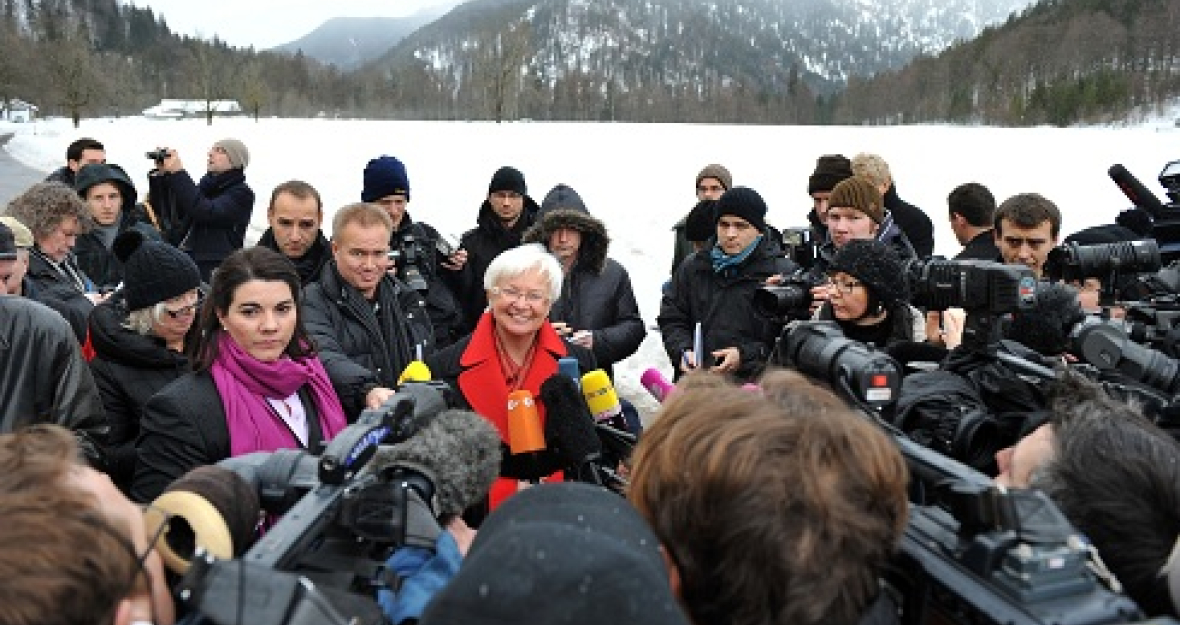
[419, 253]
[207, 219]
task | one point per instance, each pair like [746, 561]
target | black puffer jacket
[596, 294]
[311, 264]
[128, 368]
[483, 243]
[446, 315]
[94, 257]
[723, 304]
[52, 288]
[362, 349]
[210, 218]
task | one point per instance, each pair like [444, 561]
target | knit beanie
[742, 202]
[153, 271]
[385, 176]
[830, 169]
[239, 156]
[508, 179]
[876, 265]
[857, 192]
[716, 171]
[701, 223]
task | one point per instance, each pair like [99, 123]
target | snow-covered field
[637, 178]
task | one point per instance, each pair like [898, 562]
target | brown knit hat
[857, 192]
[716, 171]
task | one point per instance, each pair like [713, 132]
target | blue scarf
[722, 262]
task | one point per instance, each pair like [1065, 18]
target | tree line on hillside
[1061, 62]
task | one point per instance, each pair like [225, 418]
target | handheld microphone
[657, 384]
[570, 430]
[524, 424]
[1139, 195]
[416, 371]
[602, 400]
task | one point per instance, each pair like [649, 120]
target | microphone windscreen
[416, 371]
[458, 450]
[569, 427]
[210, 507]
[656, 384]
[601, 398]
[524, 424]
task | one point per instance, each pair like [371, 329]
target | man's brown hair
[779, 506]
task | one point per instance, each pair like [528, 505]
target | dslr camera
[158, 155]
[789, 300]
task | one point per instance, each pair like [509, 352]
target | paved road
[15, 176]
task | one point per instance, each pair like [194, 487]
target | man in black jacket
[422, 255]
[295, 214]
[110, 196]
[84, 151]
[503, 218]
[208, 220]
[367, 324]
[912, 221]
[715, 288]
[597, 307]
[972, 209]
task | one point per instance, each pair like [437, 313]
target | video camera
[340, 520]
[971, 552]
[986, 290]
[791, 299]
[801, 246]
[1165, 218]
[408, 258]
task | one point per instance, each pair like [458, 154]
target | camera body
[159, 155]
[408, 257]
[975, 286]
[801, 246]
[787, 301]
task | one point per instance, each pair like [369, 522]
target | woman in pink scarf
[257, 384]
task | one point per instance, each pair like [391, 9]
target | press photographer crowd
[396, 426]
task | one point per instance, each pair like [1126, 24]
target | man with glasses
[503, 219]
[714, 289]
[367, 324]
[60, 511]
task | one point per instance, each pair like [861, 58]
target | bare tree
[502, 57]
[212, 72]
[72, 73]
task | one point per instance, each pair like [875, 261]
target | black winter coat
[913, 222]
[210, 219]
[128, 368]
[184, 427]
[596, 294]
[724, 307]
[483, 243]
[362, 349]
[98, 261]
[311, 264]
[981, 247]
[55, 290]
[446, 315]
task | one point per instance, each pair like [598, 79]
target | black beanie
[876, 265]
[153, 271]
[508, 179]
[830, 169]
[385, 176]
[701, 223]
[742, 202]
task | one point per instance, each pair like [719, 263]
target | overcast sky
[267, 23]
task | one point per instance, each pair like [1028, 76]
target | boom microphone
[1139, 195]
[656, 384]
[458, 451]
[569, 428]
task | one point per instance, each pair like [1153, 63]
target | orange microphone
[525, 434]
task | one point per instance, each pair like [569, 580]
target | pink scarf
[245, 383]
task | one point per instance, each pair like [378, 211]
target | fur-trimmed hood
[595, 241]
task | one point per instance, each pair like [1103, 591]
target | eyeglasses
[844, 286]
[535, 298]
[175, 313]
